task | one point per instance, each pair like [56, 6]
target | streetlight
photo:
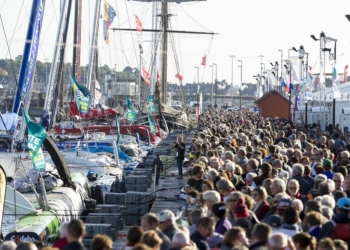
[232, 81]
[261, 57]
[212, 85]
[216, 85]
[240, 89]
[197, 86]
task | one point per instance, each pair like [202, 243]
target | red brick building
[273, 104]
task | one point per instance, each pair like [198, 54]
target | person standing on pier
[180, 155]
[157, 165]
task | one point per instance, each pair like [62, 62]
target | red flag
[178, 76]
[310, 70]
[138, 24]
[204, 60]
[158, 76]
[345, 73]
[145, 76]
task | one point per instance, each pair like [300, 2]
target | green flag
[36, 137]
[118, 129]
[131, 111]
[152, 124]
[82, 96]
[151, 102]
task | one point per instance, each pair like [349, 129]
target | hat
[166, 215]
[344, 203]
[284, 203]
[275, 221]
[327, 163]
[241, 209]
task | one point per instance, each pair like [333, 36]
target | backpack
[341, 231]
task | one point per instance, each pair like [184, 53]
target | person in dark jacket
[75, 234]
[157, 165]
[205, 228]
[297, 174]
[341, 217]
[260, 236]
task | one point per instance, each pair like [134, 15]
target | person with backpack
[339, 226]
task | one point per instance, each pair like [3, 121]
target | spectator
[101, 242]
[133, 237]
[210, 198]
[326, 244]
[278, 241]
[260, 236]
[222, 223]
[328, 167]
[26, 246]
[75, 234]
[314, 222]
[62, 235]
[150, 221]
[340, 245]
[158, 166]
[167, 223]
[297, 174]
[290, 220]
[151, 239]
[338, 179]
[194, 217]
[8, 245]
[225, 188]
[304, 241]
[235, 237]
[293, 190]
[179, 241]
[203, 232]
[241, 210]
[261, 206]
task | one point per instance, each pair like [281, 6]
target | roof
[270, 93]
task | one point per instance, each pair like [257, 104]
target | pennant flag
[310, 70]
[138, 24]
[336, 92]
[152, 124]
[243, 86]
[117, 128]
[204, 61]
[98, 94]
[158, 76]
[108, 18]
[145, 76]
[131, 111]
[345, 73]
[295, 75]
[291, 86]
[82, 96]
[178, 76]
[36, 137]
[151, 102]
[286, 87]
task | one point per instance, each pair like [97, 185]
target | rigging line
[132, 37]
[345, 49]
[185, 12]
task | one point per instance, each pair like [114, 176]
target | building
[273, 104]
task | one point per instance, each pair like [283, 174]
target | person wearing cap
[342, 216]
[241, 210]
[328, 166]
[275, 222]
[167, 223]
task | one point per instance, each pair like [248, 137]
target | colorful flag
[145, 76]
[151, 102]
[345, 73]
[204, 60]
[152, 124]
[82, 96]
[117, 128]
[286, 87]
[108, 18]
[178, 76]
[336, 92]
[131, 111]
[291, 86]
[310, 70]
[158, 76]
[138, 24]
[36, 137]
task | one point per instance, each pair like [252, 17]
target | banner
[117, 128]
[151, 102]
[152, 124]
[131, 111]
[36, 137]
[82, 96]
[108, 18]
[30, 53]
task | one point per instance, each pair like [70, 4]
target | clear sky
[246, 30]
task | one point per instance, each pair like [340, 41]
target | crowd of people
[257, 183]
[252, 183]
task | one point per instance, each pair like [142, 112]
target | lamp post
[216, 85]
[232, 80]
[306, 112]
[261, 57]
[289, 93]
[280, 87]
[240, 89]
[197, 86]
[212, 85]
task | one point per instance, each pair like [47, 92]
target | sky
[246, 29]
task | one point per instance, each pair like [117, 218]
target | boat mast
[52, 76]
[61, 66]
[77, 40]
[93, 43]
[165, 21]
[155, 45]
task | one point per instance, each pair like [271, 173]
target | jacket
[166, 241]
[262, 245]
[262, 210]
[197, 238]
[75, 245]
[303, 184]
[61, 243]
[171, 230]
[259, 179]
[327, 229]
[158, 163]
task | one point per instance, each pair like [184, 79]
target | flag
[178, 76]
[151, 102]
[117, 128]
[294, 72]
[152, 124]
[138, 24]
[145, 76]
[345, 73]
[308, 87]
[291, 86]
[204, 60]
[131, 111]
[98, 94]
[243, 86]
[310, 70]
[158, 76]
[108, 18]
[36, 137]
[82, 96]
[336, 92]
[286, 87]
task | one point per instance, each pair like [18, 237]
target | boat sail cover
[92, 113]
[9, 121]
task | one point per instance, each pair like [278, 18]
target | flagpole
[232, 81]
[261, 57]
[240, 90]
